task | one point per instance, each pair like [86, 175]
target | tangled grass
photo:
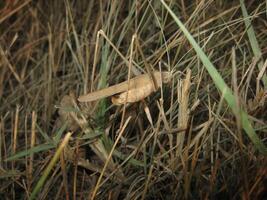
[202, 136]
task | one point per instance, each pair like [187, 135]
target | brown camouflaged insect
[139, 88]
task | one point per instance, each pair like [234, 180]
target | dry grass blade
[108, 159]
[33, 140]
[183, 116]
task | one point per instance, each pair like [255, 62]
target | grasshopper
[139, 88]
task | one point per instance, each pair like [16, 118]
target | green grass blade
[91, 135]
[220, 84]
[104, 69]
[51, 164]
[132, 161]
[59, 133]
[36, 149]
[253, 40]
[43, 147]
[44, 134]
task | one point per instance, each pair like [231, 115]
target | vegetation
[202, 135]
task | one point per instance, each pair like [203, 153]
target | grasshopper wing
[106, 92]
